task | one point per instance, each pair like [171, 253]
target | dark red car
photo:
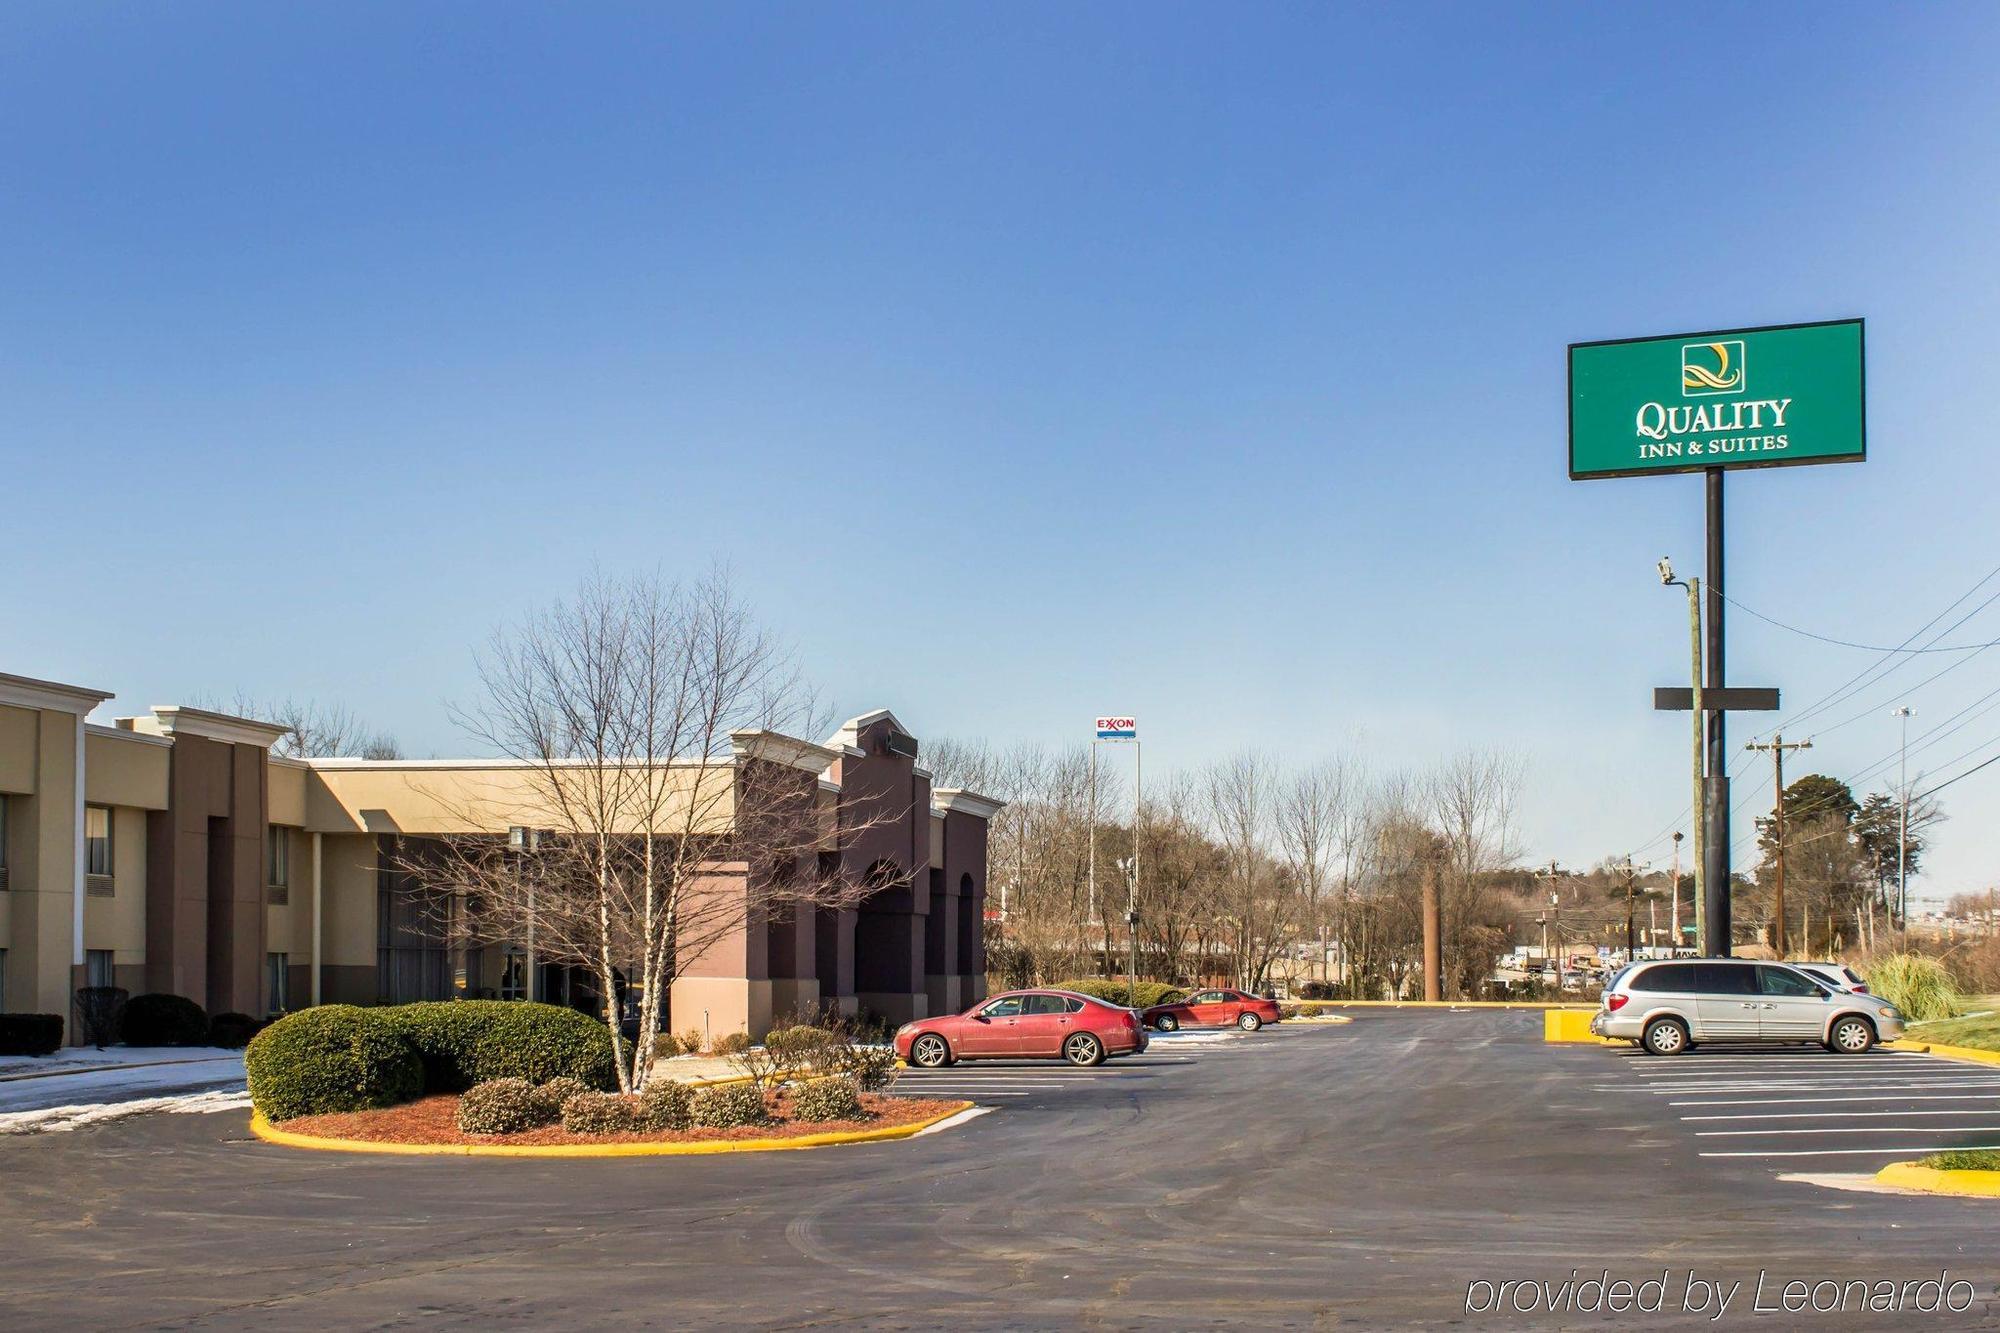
[1215, 1009]
[1024, 1025]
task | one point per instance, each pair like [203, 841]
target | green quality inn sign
[1732, 398]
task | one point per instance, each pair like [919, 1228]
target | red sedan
[1215, 1009]
[1024, 1025]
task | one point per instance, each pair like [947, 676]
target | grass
[1981, 1032]
[1968, 1159]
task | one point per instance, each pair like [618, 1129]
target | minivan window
[1784, 981]
[1725, 978]
[1667, 978]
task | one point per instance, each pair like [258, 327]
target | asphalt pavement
[1368, 1175]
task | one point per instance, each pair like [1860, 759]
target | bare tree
[1312, 820]
[313, 730]
[649, 722]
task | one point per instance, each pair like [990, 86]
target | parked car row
[1065, 1025]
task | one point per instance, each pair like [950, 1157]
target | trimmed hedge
[598, 1113]
[1148, 993]
[727, 1105]
[502, 1106]
[554, 1093]
[164, 1020]
[666, 1104]
[466, 1042]
[333, 1058]
[30, 1034]
[233, 1031]
[826, 1099]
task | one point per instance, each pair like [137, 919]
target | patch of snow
[62, 1119]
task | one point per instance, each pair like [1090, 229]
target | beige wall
[451, 798]
[285, 792]
[125, 770]
[118, 923]
[19, 729]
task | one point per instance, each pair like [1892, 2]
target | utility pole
[1674, 916]
[1631, 939]
[1777, 747]
[1552, 874]
[1433, 983]
[1903, 819]
[1699, 811]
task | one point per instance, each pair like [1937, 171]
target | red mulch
[435, 1120]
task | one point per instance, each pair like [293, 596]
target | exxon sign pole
[1124, 731]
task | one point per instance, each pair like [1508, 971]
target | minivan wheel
[1166, 1023]
[1249, 1022]
[1083, 1049]
[1851, 1036]
[930, 1051]
[1665, 1036]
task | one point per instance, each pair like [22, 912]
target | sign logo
[1117, 729]
[1708, 369]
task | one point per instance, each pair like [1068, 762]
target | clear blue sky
[1201, 361]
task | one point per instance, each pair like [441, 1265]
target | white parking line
[1821, 1101]
[1863, 1152]
[1853, 1129]
[1835, 1115]
[1798, 1086]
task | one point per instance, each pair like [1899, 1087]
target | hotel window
[277, 979]
[514, 976]
[3, 842]
[278, 852]
[97, 968]
[97, 843]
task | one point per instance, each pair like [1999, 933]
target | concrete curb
[1433, 1004]
[1930, 1180]
[270, 1133]
[1972, 1053]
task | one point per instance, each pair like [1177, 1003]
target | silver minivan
[1670, 1007]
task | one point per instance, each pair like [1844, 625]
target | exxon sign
[1117, 729]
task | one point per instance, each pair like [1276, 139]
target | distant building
[174, 852]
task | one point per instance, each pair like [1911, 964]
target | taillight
[1616, 1000]
[1862, 988]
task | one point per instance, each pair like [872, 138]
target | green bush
[503, 1106]
[873, 1067]
[727, 1105]
[329, 1059]
[598, 1113]
[666, 1046]
[463, 1042]
[30, 1034]
[163, 1020]
[1148, 993]
[801, 1046]
[233, 1031]
[730, 1043]
[1918, 986]
[820, 1099]
[554, 1093]
[666, 1104]
[1964, 1159]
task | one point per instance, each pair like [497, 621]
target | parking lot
[1304, 1176]
[1801, 1108]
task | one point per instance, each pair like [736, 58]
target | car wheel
[1083, 1049]
[1851, 1036]
[1249, 1022]
[930, 1051]
[1167, 1023]
[1665, 1036]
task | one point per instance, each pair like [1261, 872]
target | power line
[1844, 643]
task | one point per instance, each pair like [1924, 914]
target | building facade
[173, 851]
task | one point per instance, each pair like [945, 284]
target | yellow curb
[1433, 1004]
[1912, 1176]
[270, 1133]
[1972, 1053]
[1572, 1025]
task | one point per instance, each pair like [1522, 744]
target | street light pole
[1701, 885]
[1903, 819]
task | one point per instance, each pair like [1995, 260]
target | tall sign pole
[1774, 396]
[1123, 730]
